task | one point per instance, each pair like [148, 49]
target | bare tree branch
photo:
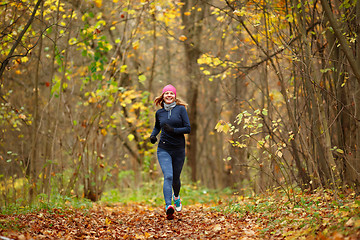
[18, 40]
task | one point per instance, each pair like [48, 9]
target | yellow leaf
[171, 15]
[135, 45]
[92, 100]
[123, 68]
[240, 13]
[218, 127]
[24, 59]
[220, 18]
[182, 38]
[103, 132]
[205, 59]
[98, 16]
[98, 3]
[187, 13]
[131, 137]
[206, 72]
[339, 150]
[226, 128]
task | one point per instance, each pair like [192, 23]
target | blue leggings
[171, 163]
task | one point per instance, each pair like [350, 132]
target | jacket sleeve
[157, 127]
[185, 129]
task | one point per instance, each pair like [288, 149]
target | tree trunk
[355, 170]
[49, 141]
[34, 162]
[192, 31]
[322, 144]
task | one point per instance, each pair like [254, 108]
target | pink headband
[169, 88]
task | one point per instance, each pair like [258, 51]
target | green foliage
[193, 194]
[44, 203]
[151, 193]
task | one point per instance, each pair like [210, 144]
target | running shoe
[178, 205]
[170, 212]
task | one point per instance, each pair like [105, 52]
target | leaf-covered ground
[316, 216]
[127, 222]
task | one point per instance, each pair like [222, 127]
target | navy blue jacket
[176, 118]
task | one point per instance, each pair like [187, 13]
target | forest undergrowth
[207, 214]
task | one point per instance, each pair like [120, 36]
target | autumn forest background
[272, 89]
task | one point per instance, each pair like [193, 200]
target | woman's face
[169, 97]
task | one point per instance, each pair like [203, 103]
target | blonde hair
[159, 101]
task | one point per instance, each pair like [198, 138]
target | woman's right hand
[153, 139]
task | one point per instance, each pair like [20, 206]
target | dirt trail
[127, 222]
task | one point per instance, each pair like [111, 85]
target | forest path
[128, 222]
